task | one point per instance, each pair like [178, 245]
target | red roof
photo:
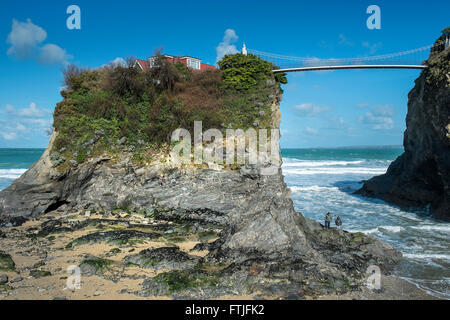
[207, 67]
[143, 64]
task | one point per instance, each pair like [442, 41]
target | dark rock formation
[251, 211]
[163, 258]
[253, 214]
[421, 175]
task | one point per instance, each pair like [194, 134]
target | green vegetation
[6, 262]
[100, 264]
[121, 108]
[439, 44]
[176, 238]
[40, 273]
[150, 263]
[207, 235]
[439, 64]
[243, 72]
[182, 280]
[5, 288]
[126, 241]
[39, 264]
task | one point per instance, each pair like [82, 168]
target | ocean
[14, 162]
[323, 180]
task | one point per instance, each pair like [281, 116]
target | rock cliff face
[253, 212]
[421, 175]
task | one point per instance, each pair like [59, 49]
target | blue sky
[319, 109]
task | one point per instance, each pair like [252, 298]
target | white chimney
[244, 50]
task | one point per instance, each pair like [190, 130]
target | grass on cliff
[120, 107]
[6, 262]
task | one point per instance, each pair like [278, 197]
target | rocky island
[96, 202]
[420, 177]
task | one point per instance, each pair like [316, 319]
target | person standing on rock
[338, 222]
[328, 219]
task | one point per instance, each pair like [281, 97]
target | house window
[151, 62]
[194, 64]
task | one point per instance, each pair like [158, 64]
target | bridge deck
[379, 66]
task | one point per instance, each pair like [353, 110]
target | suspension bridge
[411, 59]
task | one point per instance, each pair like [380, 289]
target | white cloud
[377, 122]
[383, 111]
[324, 44]
[363, 105]
[53, 54]
[311, 131]
[344, 41]
[335, 123]
[118, 62]
[42, 123]
[9, 108]
[317, 62]
[373, 47]
[26, 40]
[8, 135]
[338, 120]
[227, 46]
[379, 117]
[23, 123]
[31, 111]
[310, 110]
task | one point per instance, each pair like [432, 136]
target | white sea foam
[335, 171]
[313, 188]
[393, 229]
[11, 173]
[426, 256]
[319, 163]
[370, 231]
[440, 228]
[322, 185]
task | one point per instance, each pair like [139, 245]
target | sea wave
[318, 163]
[439, 228]
[328, 184]
[335, 171]
[392, 229]
[11, 173]
[313, 188]
[423, 256]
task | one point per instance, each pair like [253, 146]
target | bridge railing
[415, 57]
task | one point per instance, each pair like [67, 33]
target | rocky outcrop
[421, 175]
[251, 212]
